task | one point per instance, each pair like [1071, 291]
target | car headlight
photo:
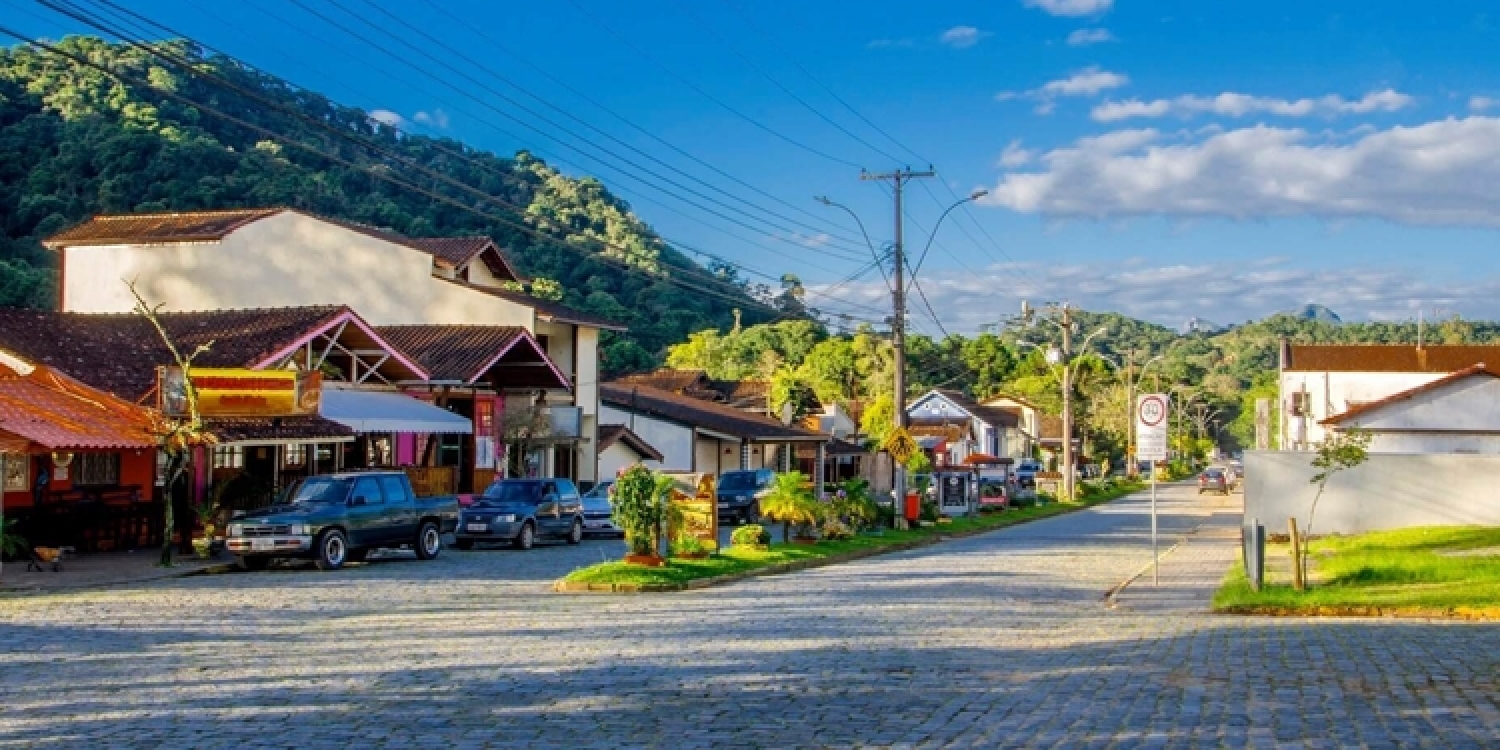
[301, 529]
[236, 529]
[506, 518]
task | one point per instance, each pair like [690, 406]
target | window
[229, 457]
[296, 455]
[95, 469]
[368, 489]
[394, 488]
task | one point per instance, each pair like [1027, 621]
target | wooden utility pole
[1297, 580]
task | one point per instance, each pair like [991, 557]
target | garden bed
[737, 563]
[1447, 572]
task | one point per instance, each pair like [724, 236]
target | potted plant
[790, 504]
[638, 510]
[207, 512]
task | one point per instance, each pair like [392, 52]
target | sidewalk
[100, 569]
[1191, 571]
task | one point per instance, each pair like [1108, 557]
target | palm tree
[790, 503]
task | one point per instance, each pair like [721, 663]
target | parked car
[1236, 474]
[1213, 480]
[739, 494]
[339, 518]
[519, 512]
[1026, 472]
[599, 513]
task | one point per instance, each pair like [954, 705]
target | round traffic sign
[1153, 410]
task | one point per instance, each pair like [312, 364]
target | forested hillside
[76, 141]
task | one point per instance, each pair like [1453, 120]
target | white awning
[371, 411]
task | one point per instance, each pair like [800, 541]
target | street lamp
[1064, 356]
[974, 196]
[823, 199]
[1132, 384]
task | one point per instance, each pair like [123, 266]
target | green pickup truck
[339, 518]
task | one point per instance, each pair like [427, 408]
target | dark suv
[518, 512]
[739, 494]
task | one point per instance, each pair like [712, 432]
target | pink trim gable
[535, 347]
[348, 316]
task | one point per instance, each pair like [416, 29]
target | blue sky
[1164, 159]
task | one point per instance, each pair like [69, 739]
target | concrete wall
[1389, 491]
[674, 441]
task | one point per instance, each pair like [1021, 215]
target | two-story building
[282, 257]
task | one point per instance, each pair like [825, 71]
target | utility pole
[1131, 469]
[898, 181]
[1067, 394]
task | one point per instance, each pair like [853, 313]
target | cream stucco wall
[1332, 393]
[480, 274]
[287, 260]
[674, 441]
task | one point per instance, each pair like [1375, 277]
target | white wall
[617, 457]
[287, 260]
[674, 441]
[1388, 491]
[1332, 393]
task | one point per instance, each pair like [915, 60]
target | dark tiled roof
[667, 379]
[469, 352]
[708, 415]
[1388, 357]
[188, 226]
[284, 428]
[1366, 408]
[550, 311]
[609, 434]
[119, 353]
[743, 394]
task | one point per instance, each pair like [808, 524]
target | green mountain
[76, 141]
[1316, 312]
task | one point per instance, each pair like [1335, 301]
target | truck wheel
[252, 564]
[429, 541]
[527, 537]
[332, 550]
[575, 534]
[464, 543]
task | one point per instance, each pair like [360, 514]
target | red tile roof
[609, 434]
[1387, 357]
[1366, 408]
[56, 412]
[458, 252]
[469, 353]
[119, 353]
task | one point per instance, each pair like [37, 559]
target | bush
[638, 510]
[834, 530]
[751, 535]
[790, 504]
[930, 511]
[853, 505]
[687, 544]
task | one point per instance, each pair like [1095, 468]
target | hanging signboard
[1151, 427]
[225, 392]
[696, 510]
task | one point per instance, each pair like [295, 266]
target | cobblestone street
[1000, 640]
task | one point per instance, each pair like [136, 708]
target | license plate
[262, 544]
[478, 527]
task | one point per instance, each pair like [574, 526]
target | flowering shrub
[834, 530]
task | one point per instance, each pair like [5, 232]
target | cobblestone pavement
[999, 640]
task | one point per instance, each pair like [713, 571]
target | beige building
[279, 257]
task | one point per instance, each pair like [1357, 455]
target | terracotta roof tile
[469, 353]
[119, 353]
[59, 413]
[1365, 408]
[1387, 357]
[668, 379]
[187, 226]
[458, 252]
[609, 434]
[708, 415]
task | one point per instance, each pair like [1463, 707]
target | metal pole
[1130, 462]
[1067, 394]
[1155, 555]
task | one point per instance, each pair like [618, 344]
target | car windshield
[1213, 474]
[511, 491]
[737, 480]
[597, 504]
[600, 490]
[321, 490]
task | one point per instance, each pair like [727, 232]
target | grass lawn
[1439, 571]
[740, 560]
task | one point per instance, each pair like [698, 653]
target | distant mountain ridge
[1312, 311]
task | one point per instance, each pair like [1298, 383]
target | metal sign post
[1151, 445]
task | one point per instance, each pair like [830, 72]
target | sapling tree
[177, 437]
[1341, 450]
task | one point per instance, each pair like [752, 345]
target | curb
[567, 587]
[1459, 614]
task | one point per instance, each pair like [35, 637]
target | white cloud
[1170, 294]
[1230, 104]
[1438, 173]
[1087, 82]
[1015, 155]
[1071, 8]
[437, 118]
[1482, 103]
[387, 117]
[1085, 37]
[962, 37]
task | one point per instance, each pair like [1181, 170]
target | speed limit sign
[1151, 427]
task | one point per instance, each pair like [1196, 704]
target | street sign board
[1151, 427]
[900, 445]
